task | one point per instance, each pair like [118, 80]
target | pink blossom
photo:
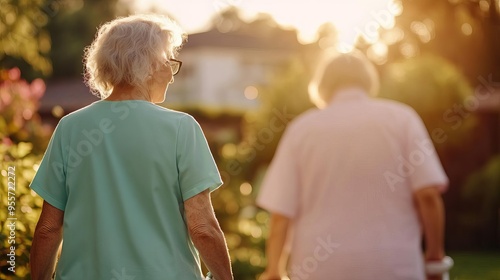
[5, 97]
[37, 88]
[7, 141]
[14, 74]
[23, 89]
[27, 114]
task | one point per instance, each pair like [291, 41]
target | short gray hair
[128, 50]
[341, 70]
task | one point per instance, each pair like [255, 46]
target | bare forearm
[214, 253]
[207, 235]
[431, 211]
[276, 255]
[433, 220]
[43, 254]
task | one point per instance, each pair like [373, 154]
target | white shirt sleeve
[279, 192]
[422, 162]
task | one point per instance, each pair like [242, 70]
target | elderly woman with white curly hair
[127, 183]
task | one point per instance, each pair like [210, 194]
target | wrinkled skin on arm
[207, 235]
[46, 242]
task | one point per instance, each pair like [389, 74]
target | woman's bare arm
[207, 235]
[275, 253]
[46, 241]
[430, 207]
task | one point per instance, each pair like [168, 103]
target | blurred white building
[225, 70]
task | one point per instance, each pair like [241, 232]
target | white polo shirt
[345, 175]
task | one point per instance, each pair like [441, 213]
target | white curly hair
[127, 50]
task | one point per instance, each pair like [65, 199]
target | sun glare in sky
[352, 18]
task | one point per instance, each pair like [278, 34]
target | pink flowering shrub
[23, 140]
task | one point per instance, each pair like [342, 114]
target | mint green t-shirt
[121, 171]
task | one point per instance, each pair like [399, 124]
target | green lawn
[475, 266]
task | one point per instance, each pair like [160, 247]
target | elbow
[203, 234]
[48, 231]
[428, 197]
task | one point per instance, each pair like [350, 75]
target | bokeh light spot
[246, 188]
[251, 92]
[57, 111]
[466, 29]
[229, 150]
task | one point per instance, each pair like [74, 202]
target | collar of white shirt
[352, 93]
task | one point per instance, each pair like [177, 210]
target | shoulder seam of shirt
[61, 135]
[177, 139]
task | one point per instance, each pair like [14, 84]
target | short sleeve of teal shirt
[50, 179]
[196, 166]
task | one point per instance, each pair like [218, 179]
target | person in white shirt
[353, 185]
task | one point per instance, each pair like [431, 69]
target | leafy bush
[440, 94]
[481, 204]
[23, 140]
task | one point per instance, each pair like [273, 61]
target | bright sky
[351, 17]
